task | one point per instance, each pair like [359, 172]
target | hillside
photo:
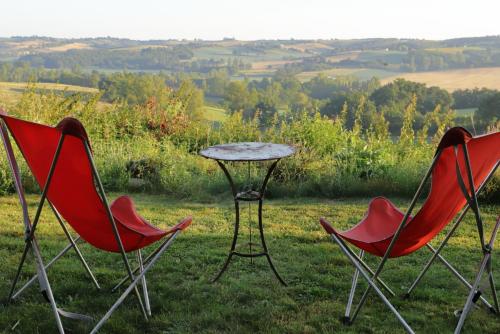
[254, 58]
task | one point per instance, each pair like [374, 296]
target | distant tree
[400, 92]
[217, 82]
[489, 109]
[192, 99]
[471, 98]
[358, 107]
[135, 89]
[237, 96]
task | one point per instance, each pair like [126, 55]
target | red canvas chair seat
[124, 212]
[380, 222]
[376, 230]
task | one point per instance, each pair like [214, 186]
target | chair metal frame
[474, 295]
[135, 277]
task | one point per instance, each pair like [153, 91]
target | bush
[159, 145]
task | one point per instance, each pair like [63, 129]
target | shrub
[160, 145]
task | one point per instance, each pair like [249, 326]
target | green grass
[214, 114]
[248, 299]
[465, 112]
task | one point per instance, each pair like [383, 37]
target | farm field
[465, 112]
[11, 92]
[360, 73]
[247, 299]
[214, 114]
[21, 86]
[488, 77]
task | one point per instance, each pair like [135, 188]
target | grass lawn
[248, 298]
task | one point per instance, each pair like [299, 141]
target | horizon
[242, 40]
[260, 20]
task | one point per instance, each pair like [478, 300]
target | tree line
[280, 97]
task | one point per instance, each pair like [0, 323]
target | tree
[192, 99]
[407, 134]
[217, 83]
[400, 92]
[489, 109]
[237, 96]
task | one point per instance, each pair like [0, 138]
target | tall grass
[159, 147]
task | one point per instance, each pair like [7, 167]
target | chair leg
[352, 292]
[136, 270]
[460, 277]
[75, 246]
[47, 266]
[45, 285]
[27, 246]
[485, 265]
[133, 285]
[473, 292]
[50, 263]
[436, 252]
[144, 283]
[345, 249]
[436, 255]
[493, 291]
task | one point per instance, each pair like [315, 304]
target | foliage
[489, 108]
[402, 91]
[332, 159]
[176, 58]
[470, 98]
[282, 94]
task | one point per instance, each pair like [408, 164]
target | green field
[214, 114]
[247, 299]
[360, 73]
[466, 112]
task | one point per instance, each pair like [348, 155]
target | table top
[248, 151]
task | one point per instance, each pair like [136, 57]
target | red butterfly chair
[60, 159]
[387, 232]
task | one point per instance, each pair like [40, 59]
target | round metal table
[248, 152]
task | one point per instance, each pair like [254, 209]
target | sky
[250, 20]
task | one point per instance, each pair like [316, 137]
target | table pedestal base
[248, 196]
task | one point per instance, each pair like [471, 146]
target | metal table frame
[248, 196]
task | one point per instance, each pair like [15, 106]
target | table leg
[235, 239]
[237, 224]
[264, 246]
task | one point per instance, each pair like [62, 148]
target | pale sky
[249, 20]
